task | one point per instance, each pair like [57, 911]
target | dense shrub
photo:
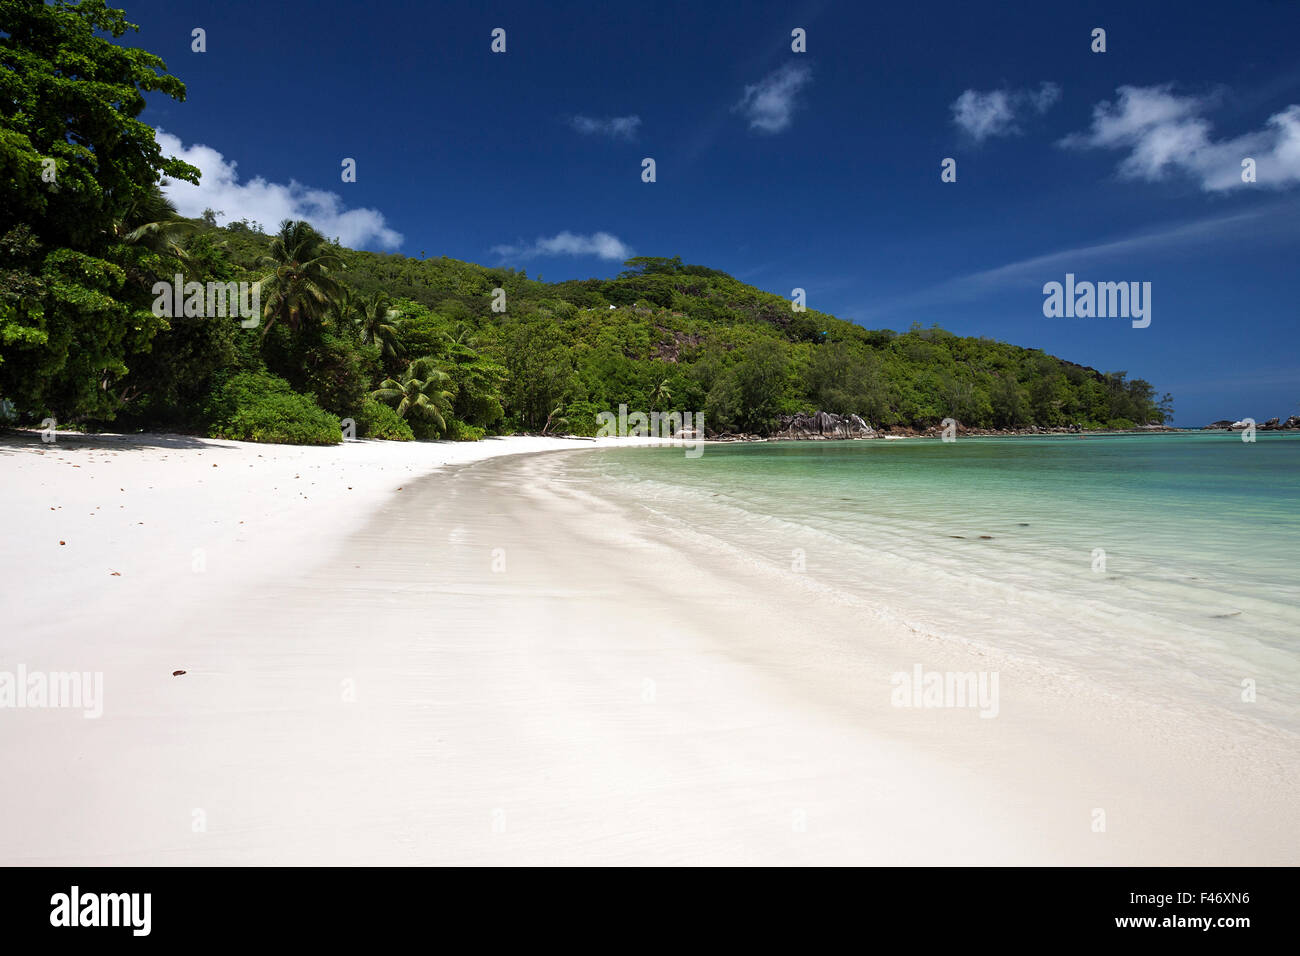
[459, 431]
[324, 362]
[379, 421]
[257, 406]
[580, 418]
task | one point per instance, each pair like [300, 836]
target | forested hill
[741, 355]
[668, 335]
[453, 356]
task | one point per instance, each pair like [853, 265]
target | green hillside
[661, 336]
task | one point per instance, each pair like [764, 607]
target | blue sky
[818, 170]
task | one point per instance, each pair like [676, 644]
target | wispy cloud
[982, 115]
[615, 127]
[602, 245]
[1031, 271]
[770, 103]
[1166, 133]
[1170, 237]
[261, 201]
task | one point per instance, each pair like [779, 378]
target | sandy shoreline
[494, 665]
[146, 506]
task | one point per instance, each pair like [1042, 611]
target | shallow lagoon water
[1159, 565]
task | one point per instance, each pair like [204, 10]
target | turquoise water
[1197, 589]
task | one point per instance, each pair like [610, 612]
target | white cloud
[268, 203]
[602, 245]
[1044, 98]
[615, 127]
[996, 112]
[1164, 132]
[769, 104]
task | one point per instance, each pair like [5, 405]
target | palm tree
[464, 335]
[419, 392]
[300, 286]
[660, 393]
[152, 222]
[345, 306]
[552, 420]
[378, 322]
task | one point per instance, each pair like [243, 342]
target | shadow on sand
[13, 440]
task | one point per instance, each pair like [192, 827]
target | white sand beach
[454, 654]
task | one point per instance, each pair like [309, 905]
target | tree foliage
[78, 176]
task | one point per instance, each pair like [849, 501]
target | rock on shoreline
[1273, 424]
[821, 426]
[827, 426]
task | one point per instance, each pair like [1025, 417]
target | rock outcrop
[1276, 424]
[936, 431]
[821, 426]
[1272, 425]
